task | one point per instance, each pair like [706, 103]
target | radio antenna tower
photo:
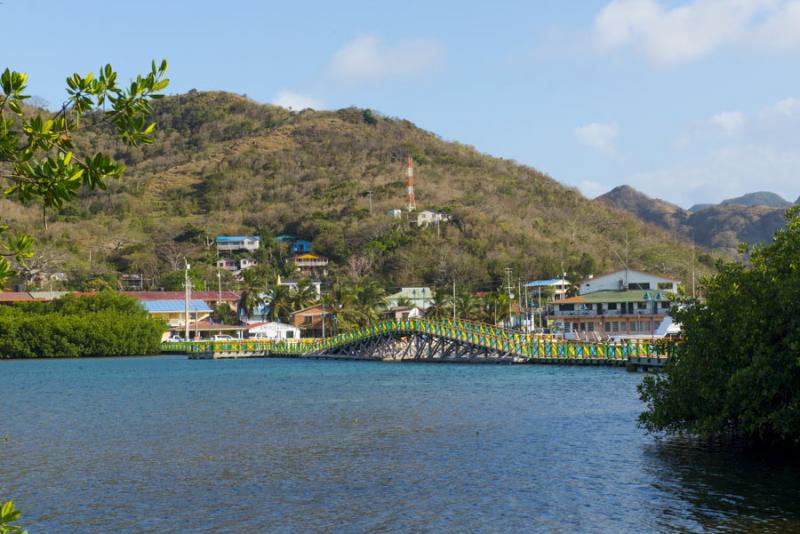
[411, 203]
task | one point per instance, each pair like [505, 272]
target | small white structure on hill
[428, 217]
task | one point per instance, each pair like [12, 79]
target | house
[299, 246]
[421, 297]
[272, 330]
[235, 243]
[133, 282]
[211, 298]
[310, 262]
[599, 314]
[628, 279]
[315, 321]
[428, 217]
[173, 312]
[555, 288]
[403, 312]
[236, 266]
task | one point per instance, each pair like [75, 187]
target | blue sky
[690, 101]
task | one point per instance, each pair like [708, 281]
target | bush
[106, 324]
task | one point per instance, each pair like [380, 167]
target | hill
[760, 198]
[720, 226]
[223, 164]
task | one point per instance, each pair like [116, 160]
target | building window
[616, 326]
[607, 327]
[665, 305]
[664, 285]
[289, 334]
[566, 307]
[591, 327]
[612, 305]
[639, 285]
[633, 326]
[641, 305]
[574, 327]
[583, 327]
[307, 319]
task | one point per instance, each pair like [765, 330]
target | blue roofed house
[299, 246]
[174, 311]
[235, 243]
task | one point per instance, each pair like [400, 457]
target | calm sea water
[172, 445]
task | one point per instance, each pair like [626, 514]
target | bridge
[428, 340]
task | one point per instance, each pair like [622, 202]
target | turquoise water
[172, 445]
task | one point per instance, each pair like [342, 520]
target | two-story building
[619, 304]
[420, 297]
[236, 266]
[237, 243]
[309, 263]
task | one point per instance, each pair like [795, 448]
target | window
[633, 326]
[583, 327]
[612, 305]
[574, 327]
[641, 305]
[566, 307]
[665, 305]
[639, 285]
[644, 326]
[289, 334]
[616, 326]
[591, 326]
[607, 327]
[307, 319]
[664, 285]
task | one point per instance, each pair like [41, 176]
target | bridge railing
[496, 339]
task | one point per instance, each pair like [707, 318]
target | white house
[272, 330]
[556, 288]
[428, 217]
[420, 297]
[233, 243]
[628, 280]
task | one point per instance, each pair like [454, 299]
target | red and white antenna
[411, 203]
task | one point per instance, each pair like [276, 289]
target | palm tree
[251, 298]
[442, 307]
[468, 306]
[280, 303]
[305, 295]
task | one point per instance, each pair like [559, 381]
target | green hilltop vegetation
[224, 164]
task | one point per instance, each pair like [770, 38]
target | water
[172, 445]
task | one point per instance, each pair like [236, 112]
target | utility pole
[219, 287]
[187, 285]
[369, 195]
[510, 295]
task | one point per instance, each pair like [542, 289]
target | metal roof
[235, 237]
[174, 306]
[208, 296]
[543, 283]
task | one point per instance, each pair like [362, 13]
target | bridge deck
[439, 341]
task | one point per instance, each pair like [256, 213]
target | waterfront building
[315, 321]
[420, 297]
[211, 298]
[272, 330]
[603, 314]
[403, 312]
[236, 243]
[628, 279]
[173, 312]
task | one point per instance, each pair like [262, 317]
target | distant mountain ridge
[750, 218]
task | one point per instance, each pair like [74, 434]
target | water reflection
[713, 487]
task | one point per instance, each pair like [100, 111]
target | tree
[175, 280]
[253, 288]
[280, 300]
[737, 372]
[305, 295]
[9, 514]
[38, 158]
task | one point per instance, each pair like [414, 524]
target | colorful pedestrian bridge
[438, 341]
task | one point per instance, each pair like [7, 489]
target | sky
[689, 101]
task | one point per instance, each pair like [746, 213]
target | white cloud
[295, 101]
[698, 28]
[599, 136]
[784, 109]
[723, 173]
[730, 122]
[367, 58]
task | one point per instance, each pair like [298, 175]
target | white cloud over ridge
[296, 101]
[600, 136]
[368, 58]
[697, 28]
